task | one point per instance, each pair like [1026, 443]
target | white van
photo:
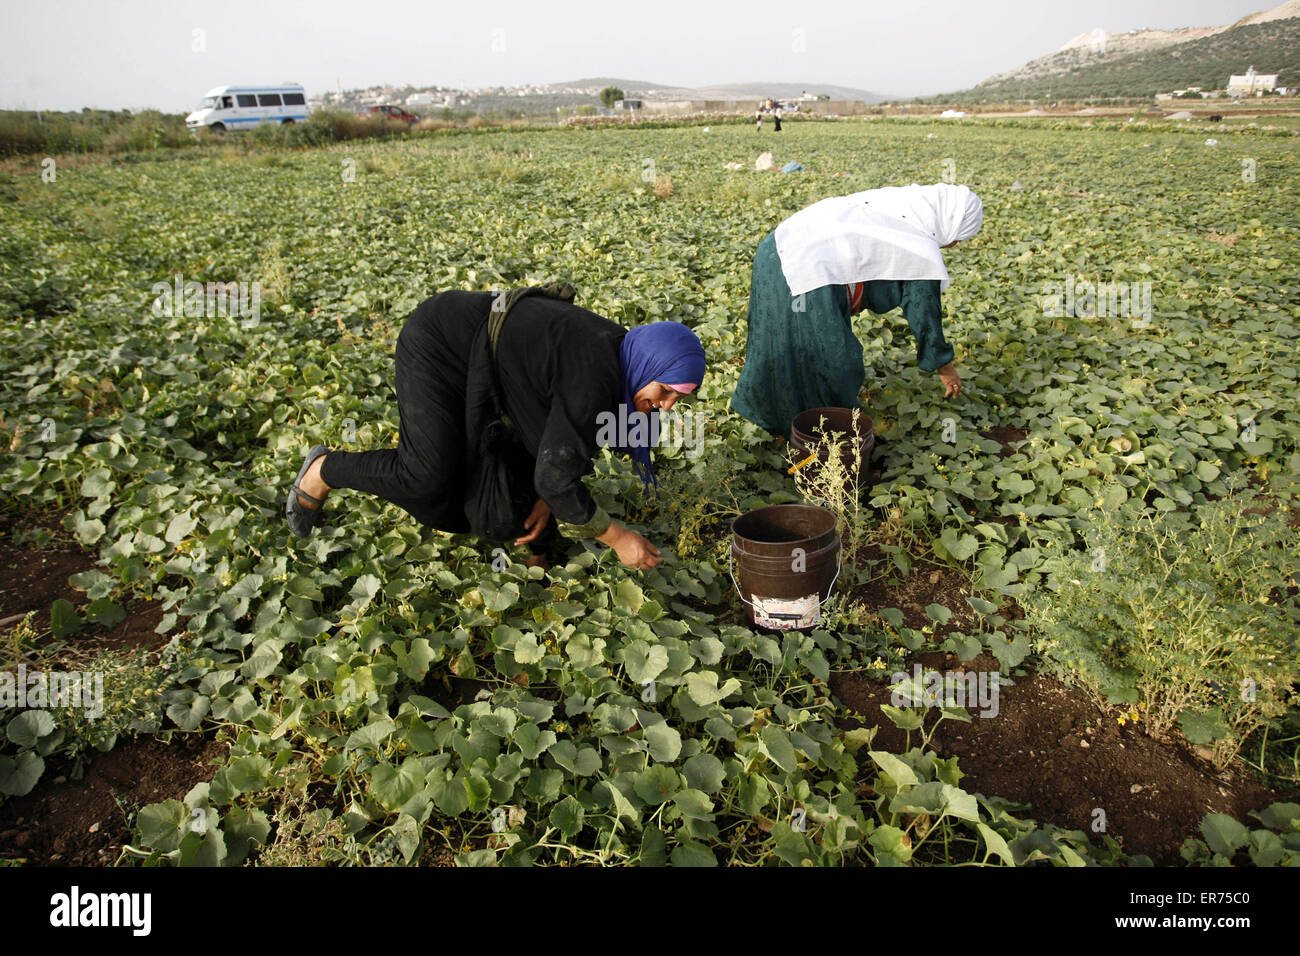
[243, 107]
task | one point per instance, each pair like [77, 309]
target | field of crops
[378, 693]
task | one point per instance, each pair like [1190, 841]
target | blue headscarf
[666, 352]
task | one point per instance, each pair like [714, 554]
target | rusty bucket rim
[826, 529]
[783, 506]
[865, 418]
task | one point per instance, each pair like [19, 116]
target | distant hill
[792, 90]
[755, 90]
[600, 82]
[1142, 63]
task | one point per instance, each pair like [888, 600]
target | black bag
[500, 492]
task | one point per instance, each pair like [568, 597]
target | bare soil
[84, 822]
[32, 578]
[927, 582]
[1006, 436]
[1051, 746]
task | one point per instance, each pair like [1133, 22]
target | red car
[395, 112]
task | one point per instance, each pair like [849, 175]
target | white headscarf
[889, 233]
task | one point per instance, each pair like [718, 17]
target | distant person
[776, 117]
[874, 250]
[560, 369]
[758, 119]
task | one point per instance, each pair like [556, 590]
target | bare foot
[313, 484]
[537, 561]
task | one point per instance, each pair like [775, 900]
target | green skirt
[800, 351]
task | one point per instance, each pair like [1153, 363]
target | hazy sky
[66, 54]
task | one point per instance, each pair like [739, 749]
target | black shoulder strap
[503, 302]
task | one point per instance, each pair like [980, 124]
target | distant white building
[1251, 83]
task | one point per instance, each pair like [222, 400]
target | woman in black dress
[562, 370]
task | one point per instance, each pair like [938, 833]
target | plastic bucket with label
[785, 564]
[817, 425]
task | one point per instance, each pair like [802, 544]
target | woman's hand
[535, 523]
[632, 549]
[951, 381]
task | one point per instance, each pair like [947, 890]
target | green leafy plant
[1228, 842]
[117, 693]
[1196, 626]
[837, 485]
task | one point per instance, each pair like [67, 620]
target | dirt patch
[1006, 436]
[138, 629]
[85, 822]
[33, 577]
[926, 583]
[1050, 745]
[452, 691]
[49, 520]
[32, 580]
[1266, 504]
[438, 855]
